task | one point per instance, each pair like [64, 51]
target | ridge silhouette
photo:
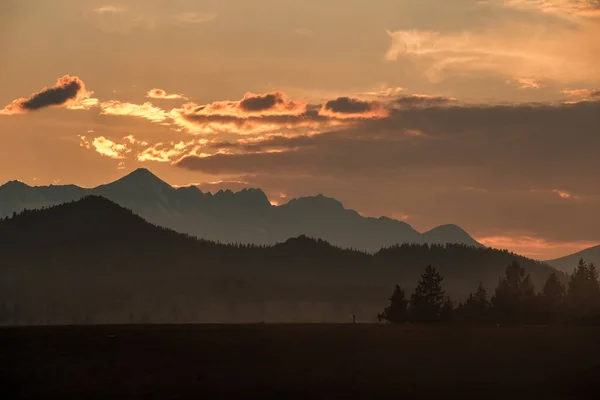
[235, 217]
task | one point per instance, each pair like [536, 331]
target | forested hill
[98, 260]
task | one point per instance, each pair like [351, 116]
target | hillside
[243, 217]
[94, 261]
[568, 263]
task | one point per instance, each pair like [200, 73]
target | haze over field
[483, 114]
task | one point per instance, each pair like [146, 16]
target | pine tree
[514, 297]
[580, 291]
[397, 311]
[476, 308]
[428, 298]
[551, 298]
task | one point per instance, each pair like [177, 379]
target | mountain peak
[15, 184]
[450, 233]
[142, 177]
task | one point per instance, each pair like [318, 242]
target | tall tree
[428, 298]
[476, 308]
[397, 311]
[551, 299]
[513, 299]
[583, 294]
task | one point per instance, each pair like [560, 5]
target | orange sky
[478, 113]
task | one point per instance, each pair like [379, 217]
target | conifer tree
[551, 298]
[428, 298]
[397, 311]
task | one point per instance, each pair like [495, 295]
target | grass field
[316, 361]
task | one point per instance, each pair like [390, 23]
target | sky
[484, 114]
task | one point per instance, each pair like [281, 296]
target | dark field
[316, 361]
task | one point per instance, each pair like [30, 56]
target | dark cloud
[346, 105]
[261, 103]
[54, 96]
[68, 90]
[489, 169]
[417, 100]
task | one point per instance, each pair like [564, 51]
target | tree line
[514, 300]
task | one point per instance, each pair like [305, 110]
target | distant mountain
[94, 261]
[243, 217]
[568, 263]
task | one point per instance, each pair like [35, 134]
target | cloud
[523, 140]
[69, 92]
[161, 94]
[106, 147]
[525, 83]
[345, 107]
[169, 152]
[147, 110]
[509, 50]
[195, 17]
[305, 32]
[254, 114]
[110, 9]
[423, 100]
[384, 92]
[562, 8]
[581, 92]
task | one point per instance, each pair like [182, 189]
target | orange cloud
[69, 92]
[161, 94]
[108, 10]
[581, 92]
[563, 8]
[254, 114]
[525, 83]
[146, 110]
[108, 148]
[384, 92]
[169, 152]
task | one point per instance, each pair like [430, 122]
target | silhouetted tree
[397, 311]
[551, 299]
[476, 308]
[583, 294]
[514, 297]
[428, 298]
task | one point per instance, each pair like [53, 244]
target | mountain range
[246, 216]
[93, 261]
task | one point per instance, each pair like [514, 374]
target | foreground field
[323, 361]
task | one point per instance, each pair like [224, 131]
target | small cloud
[385, 93]
[109, 9]
[525, 83]
[195, 17]
[400, 216]
[564, 194]
[581, 92]
[121, 165]
[108, 148]
[146, 110]
[161, 94]
[346, 107]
